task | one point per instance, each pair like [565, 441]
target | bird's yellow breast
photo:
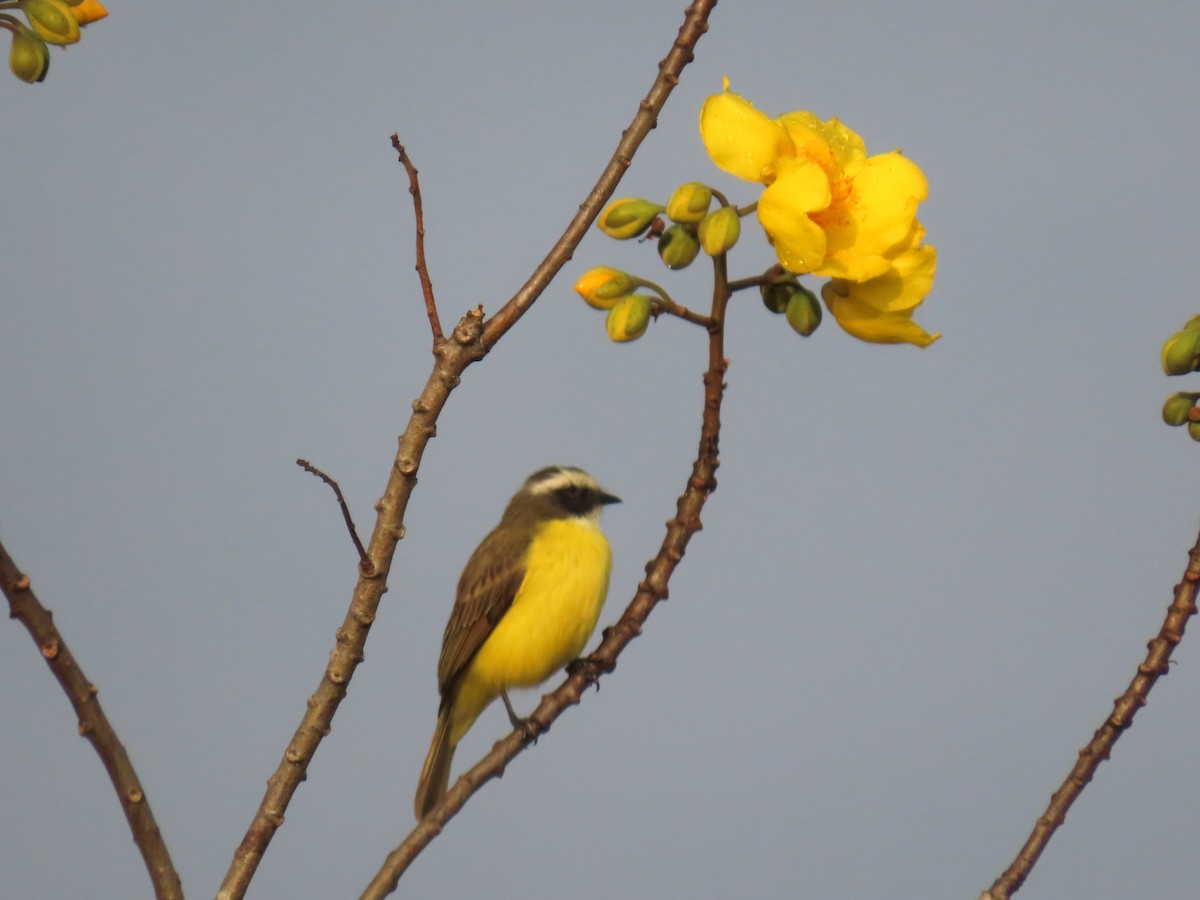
[555, 611]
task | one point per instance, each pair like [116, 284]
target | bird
[527, 602]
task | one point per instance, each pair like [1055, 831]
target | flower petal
[831, 145]
[904, 285]
[875, 218]
[867, 323]
[740, 139]
[783, 209]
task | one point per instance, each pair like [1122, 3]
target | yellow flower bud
[1194, 430]
[628, 217]
[86, 11]
[803, 311]
[52, 20]
[1175, 410]
[601, 287]
[678, 247]
[689, 202]
[29, 57]
[629, 319]
[719, 230]
[1181, 352]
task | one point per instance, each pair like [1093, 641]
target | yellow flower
[827, 208]
[880, 309]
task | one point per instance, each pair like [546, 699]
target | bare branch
[94, 725]
[453, 355]
[363, 560]
[414, 188]
[1155, 665]
[695, 24]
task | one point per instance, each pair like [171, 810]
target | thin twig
[695, 24]
[465, 345]
[663, 303]
[650, 591]
[1155, 665]
[364, 561]
[414, 188]
[94, 725]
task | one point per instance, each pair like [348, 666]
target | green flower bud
[1193, 324]
[1194, 430]
[689, 203]
[629, 319]
[1181, 353]
[628, 217]
[678, 246]
[719, 230]
[601, 287]
[29, 57]
[803, 311]
[1175, 410]
[776, 294]
[52, 20]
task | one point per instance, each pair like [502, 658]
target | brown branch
[1154, 666]
[650, 591]
[414, 188]
[363, 560]
[695, 24]
[468, 343]
[93, 724]
[452, 357]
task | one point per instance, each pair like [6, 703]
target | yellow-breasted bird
[527, 602]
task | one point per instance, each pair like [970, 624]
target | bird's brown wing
[485, 592]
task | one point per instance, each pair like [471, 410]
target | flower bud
[86, 11]
[689, 202]
[1181, 352]
[628, 217]
[1175, 410]
[719, 230]
[629, 319]
[1193, 430]
[776, 294]
[601, 287]
[678, 247]
[29, 57]
[803, 311]
[52, 20]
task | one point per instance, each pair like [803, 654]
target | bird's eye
[575, 498]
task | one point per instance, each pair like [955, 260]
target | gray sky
[922, 581]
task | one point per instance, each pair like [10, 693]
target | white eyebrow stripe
[561, 479]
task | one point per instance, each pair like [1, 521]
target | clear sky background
[923, 578]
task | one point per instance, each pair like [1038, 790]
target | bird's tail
[435, 774]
